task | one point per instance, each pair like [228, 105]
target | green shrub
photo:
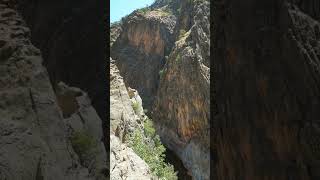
[182, 33]
[135, 106]
[178, 57]
[152, 153]
[82, 143]
[148, 128]
[161, 73]
[143, 10]
[162, 12]
[179, 10]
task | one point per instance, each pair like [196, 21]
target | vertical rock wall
[266, 59]
[140, 51]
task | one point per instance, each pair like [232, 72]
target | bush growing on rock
[160, 73]
[135, 106]
[148, 128]
[182, 33]
[143, 10]
[82, 143]
[148, 146]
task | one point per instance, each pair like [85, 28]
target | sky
[121, 8]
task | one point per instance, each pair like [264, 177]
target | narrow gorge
[162, 53]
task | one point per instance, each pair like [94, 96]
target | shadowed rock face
[71, 37]
[266, 59]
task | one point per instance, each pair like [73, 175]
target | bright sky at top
[121, 8]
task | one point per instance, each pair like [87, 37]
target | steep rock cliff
[124, 120]
[182, 108]
[266, 59]
[140, 50]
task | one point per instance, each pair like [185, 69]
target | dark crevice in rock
[39, 175]
[33, 105]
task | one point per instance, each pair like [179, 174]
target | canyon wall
[181, 111]
[266, 66]
[125, 119]
[140, 51]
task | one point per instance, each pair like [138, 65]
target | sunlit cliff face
[148, 39]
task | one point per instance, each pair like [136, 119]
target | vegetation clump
[83, 144]
[143, 10]
[182, 33]
[162, 12]
[135, 106]
[161, 73]
[148, 146]
[178, 57]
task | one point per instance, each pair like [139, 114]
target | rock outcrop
[123, 118]
[126, 117]
[125, 164]
[266, 58]
[84, 129]
[140, 50]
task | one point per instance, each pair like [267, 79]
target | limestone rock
[84, 119]
[183, 100]
[125, 164]
[123, 118]
[140, 49]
